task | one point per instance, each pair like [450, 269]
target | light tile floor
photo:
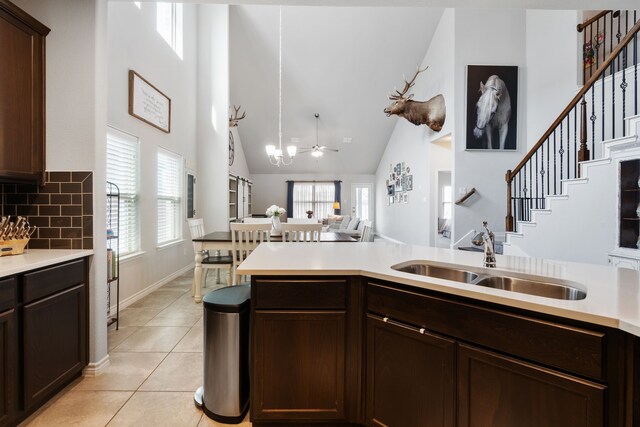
[156, 366]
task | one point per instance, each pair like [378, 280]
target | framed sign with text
[148, 104]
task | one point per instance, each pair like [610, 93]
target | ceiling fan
[317, 150]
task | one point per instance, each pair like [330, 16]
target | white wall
[551, 73]
[410, 222]
[271, 189]
[75, 121]
[212, 115]
[486, 37]
[135, 44]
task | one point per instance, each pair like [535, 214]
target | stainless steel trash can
[224, 396]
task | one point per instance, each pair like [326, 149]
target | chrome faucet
[489, 252]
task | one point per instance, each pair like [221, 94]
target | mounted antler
[431, 113]
[233, 120]
[407, 85]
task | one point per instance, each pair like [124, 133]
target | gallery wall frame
[148, 103]
[492, 107]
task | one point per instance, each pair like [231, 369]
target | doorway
[362, 201]
[444, 208]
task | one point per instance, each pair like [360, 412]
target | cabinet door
[410, 376]
[8, 366]
[21, 96]
[498, 391]
[298, 365]
[54, 337]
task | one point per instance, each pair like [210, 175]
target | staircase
[562, 198]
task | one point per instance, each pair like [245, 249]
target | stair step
[557, 196]
[576, 180]
[596, 162]
[622, 143]
[631, 122]
[541, 211]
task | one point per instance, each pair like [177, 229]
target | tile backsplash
[62, 209]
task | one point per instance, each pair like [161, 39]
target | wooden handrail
[593, 19]
[576, 99]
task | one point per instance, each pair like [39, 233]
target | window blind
[169, 196]
[123, 170]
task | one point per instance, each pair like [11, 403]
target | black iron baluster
[568, 149]
[536, 170]
[561, 152]
[591, 43]
[548, 174]
[593, 119]
[613, 100]
[524, 190]
[635, 68]
[584, 56]
[555, 168]
[519, 195]
[618, 35]
[575, 140]
[542, 173]
[602, 85]
[623, 86]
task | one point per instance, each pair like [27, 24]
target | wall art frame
[148, 103]
[489, 128]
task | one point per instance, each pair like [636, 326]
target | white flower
[275, 210]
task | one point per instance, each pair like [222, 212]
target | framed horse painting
[492, 107]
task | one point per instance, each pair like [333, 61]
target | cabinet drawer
[53, 279]
[7, 293]
[300, 294]
[569, 348]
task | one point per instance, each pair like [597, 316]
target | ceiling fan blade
[325, 148]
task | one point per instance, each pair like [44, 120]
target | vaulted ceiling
[339, 62]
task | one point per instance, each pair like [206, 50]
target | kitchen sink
[431, 270]
[532, 287]
[540, 288]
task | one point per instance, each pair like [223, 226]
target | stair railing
[594, 115]
[600, 35]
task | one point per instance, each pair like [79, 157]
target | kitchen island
[341, 338]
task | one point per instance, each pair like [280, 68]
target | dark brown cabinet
[22, 95]
[54, 343]
[306, 346]
[304, 352]
[43, 336]
[410, 376]
[8, 349]
[500, 391]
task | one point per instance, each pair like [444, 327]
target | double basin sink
[542, 288]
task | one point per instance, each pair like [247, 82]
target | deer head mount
[233, 120]
[431, 113]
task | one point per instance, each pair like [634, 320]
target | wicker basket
[13, 247]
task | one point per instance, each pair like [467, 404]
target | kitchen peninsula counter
[613, 295]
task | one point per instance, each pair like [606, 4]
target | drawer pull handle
[385, 320]
[422, 331]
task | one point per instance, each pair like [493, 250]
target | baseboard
[389, 239]
[146, 291]
[97, 368]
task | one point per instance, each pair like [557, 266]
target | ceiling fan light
[316, 153]
[270, 149]
[291, 150]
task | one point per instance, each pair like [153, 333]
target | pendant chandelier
[276, 155]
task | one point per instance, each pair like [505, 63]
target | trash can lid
[232, 299]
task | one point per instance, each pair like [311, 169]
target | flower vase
[276, 226]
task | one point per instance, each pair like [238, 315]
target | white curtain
[313, 196]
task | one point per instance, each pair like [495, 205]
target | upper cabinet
[22, 95]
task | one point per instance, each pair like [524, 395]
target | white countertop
[613, 294]
[32, 259]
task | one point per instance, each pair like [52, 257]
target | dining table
[221, 241]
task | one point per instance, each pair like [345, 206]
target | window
[169, 25]
[446, 202]
[313, 196]
[169, 197]
[123, 170]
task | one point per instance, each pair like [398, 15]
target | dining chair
[301, 232]
[302, 221]
[244, 239]
[216, 261]
[256, 220]
[367, 232]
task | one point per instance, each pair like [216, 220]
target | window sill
[169, 244]
[132, 256]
